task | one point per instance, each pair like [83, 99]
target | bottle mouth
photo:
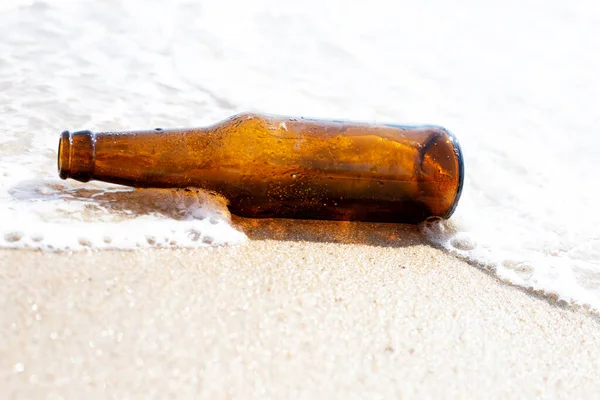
[64, 155]
[76, 155]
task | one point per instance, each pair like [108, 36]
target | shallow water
[517, 83]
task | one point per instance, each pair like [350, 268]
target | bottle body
[271, 166]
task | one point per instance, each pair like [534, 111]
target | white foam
[52, 215]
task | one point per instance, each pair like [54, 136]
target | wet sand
[306, 309]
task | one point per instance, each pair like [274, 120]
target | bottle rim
[76, 155]
[64, 154]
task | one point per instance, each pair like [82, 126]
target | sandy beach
[309, 310]
[305, 310]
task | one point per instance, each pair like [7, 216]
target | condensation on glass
[286, 167]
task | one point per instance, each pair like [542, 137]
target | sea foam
[49, 215]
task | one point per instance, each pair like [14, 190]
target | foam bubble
[52, 215]
[541, 265]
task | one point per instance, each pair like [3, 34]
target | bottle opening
[64, 155]
[76, 153]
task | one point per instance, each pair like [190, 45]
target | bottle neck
[155, 158]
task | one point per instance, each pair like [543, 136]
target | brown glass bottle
[272, 166]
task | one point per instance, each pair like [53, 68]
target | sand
[305, 310]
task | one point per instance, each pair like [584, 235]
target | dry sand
[305, 310]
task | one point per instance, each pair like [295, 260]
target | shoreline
[312, 311]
